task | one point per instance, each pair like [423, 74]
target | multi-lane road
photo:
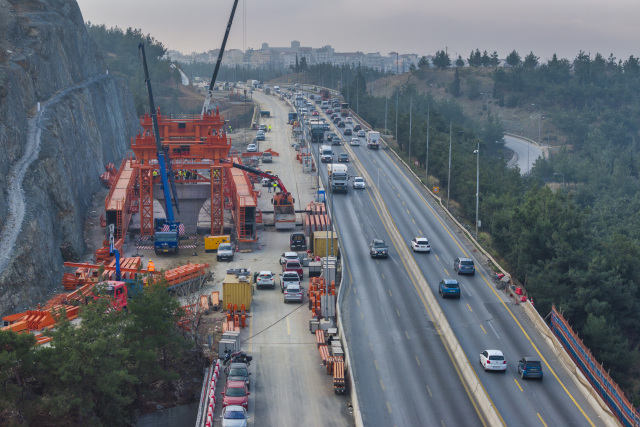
[404, 372]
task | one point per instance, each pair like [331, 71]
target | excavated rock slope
[51, 156]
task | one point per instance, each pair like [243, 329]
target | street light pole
[410, 108]
[477, 152]
[449, 175]
[427, 159]
[396, 117]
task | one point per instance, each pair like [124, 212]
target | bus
[344, 109]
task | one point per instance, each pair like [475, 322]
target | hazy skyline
[404, 26]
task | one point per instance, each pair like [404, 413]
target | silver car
[293, 293]
[358, 182]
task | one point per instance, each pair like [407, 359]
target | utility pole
[386, 101]
[477, 152]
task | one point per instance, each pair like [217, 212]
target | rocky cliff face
[62, 118]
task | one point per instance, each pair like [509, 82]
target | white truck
[326, 154]
[373, 139]
[338, 177]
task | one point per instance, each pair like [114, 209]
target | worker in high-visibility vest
[150, 266]
[269, 128]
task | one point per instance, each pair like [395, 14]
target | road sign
[416, 163]
[436, 189]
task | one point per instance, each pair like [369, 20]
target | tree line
[100, 372]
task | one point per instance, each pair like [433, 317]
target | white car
[266, 279]
[252, 148]
[234, 416]
[493, 360]
[358, 182]
[420, 244]
[355, 141]
[288, 255]
[348, 120]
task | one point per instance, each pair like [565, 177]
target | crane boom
[165, 166]
[261, 174]
[219, 61]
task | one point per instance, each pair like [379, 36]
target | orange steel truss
[196, 143]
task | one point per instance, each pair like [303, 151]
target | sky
[544, 27]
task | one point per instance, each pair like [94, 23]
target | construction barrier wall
[608, 389]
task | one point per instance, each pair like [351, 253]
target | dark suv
[464, 266]
[530, 367]
[298, 241]
[378, 249]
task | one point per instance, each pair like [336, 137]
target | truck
[326, 95]
[344, 109]
[326, 154]
[338, 177]
[293, 117]
[317, 129]
[373, 139]
[118, 292]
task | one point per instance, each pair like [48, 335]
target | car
[315, 113]
[235, 393]
[239, 372]
[267, 157]
[267, 182]
[348, 120]
[293, 265]
[287, 256]
[260, 136]
[343, 157]
[348, 132]
[252, 148]
[298, 240]
[378, 249]
[330, 136]
[336, 120]
[358, 182]
[312, 96]
[293, 293]
[493, 360]
[357, 127]
[234, 416]
[464, 266]
[334, 115]
[530, 367]
[262, 127]
[361, 133]
[420, 244]
[329, 111]
[266, 279]
[225, 252]
[354, 141]
[341, 124]
[289, 278]
[449, 288]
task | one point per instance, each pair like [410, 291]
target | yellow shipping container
[211, 243]
[237, 291]
[322, 244]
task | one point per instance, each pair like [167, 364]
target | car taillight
[488, 361]
[504, 362]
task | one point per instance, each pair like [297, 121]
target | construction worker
[155, 175]
[269, 188]
[269, 128]
[275, 186]
[150, 266]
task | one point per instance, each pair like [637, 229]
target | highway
[404, 373]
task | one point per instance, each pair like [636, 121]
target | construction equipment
[168, 239]
[212, 84]
[283, 203]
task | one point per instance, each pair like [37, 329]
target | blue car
[464, 266]
[449, 288]
[530, 367]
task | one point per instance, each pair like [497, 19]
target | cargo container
[322, 243]
[211, 243]
[237, 289]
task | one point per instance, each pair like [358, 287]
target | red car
[235, 393]
[293, 265]
[315, 113]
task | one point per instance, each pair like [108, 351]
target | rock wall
[51, 157]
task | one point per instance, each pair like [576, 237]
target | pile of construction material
[316, 218]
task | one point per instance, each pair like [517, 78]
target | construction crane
[164, 241]
[207, 99]
[283, 203]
